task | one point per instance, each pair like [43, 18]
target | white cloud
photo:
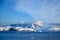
[39, 8]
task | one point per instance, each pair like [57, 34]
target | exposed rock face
[12, 29]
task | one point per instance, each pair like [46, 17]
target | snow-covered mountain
[36, 26]
[54, 28]
[5, 28]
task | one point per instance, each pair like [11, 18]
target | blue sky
[9, 15]
[47, 11]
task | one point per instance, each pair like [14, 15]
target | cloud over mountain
[46, 10]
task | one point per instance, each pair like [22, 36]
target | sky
[9, 15]
[47, 11]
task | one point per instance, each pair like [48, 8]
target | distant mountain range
[35, 26]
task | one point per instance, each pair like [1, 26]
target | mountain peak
[39, 23]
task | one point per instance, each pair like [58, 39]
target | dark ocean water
[13, 35]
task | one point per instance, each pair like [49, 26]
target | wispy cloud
[46, 10]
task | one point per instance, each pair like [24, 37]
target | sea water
[14, 35]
